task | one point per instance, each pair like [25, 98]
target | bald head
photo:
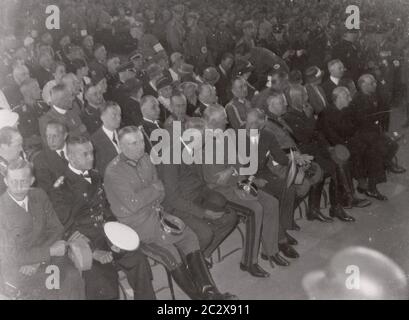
[367, 84]
[341, 97]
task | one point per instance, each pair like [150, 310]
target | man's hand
[29, 270]
[302, 159]
[260, 182]
[102, 256]
[77, 235]
[214, 215]
[224, 176]
[58, 248]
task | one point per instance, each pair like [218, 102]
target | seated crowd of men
[75, 146]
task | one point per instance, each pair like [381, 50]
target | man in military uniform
[196, 49]
[11, 147]
[148, 45]
[175, 31]
[29, 113]
[347, 51]
[135, 194]
[279, 44]
[80, 202]
[97, 67]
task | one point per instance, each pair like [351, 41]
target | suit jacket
[148, 128]
[133, 198]
[366, 112]
[148, 90]
[329, 86]
[304, 130]
[71, 119]
[318, 101]
[12, 93]
[42, 76]
[25, 238]
[48, 167]
[333, 124]
[82, 206]
[223, 86]
[282, 132]
[90, 117]
[183, 185]
[104, 148]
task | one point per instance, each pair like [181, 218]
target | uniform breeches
[168, 248]
[286, 196]
[211, 233]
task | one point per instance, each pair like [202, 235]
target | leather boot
[185, 282]
[313, 212]
[348, 195]
[203, 279]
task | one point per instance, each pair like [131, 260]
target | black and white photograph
[210, 150]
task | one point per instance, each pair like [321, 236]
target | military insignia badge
[276, 66]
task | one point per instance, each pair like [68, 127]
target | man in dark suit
[105, 139]
[43, 72]
[311, 141]
[154, 72]
[150, 122]
[51, 162]
[129, 100]
[336, 78]
[30, 240]
[223, 84]
[12, 88]
[83, 209]
[316, 95]
[365, 114]
[186, 192]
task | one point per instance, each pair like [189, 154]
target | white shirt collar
[22, 203]
[59, 110]
[79, 172]
[222, 70]
[111, 135]
[174, 75]
[63, 149]
[153, 86]
[151, 121]
[334, 80]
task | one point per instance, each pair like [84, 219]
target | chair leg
[170, 282]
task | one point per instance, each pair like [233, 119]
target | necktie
[86, 176]
[114, 139]
[62, 154]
